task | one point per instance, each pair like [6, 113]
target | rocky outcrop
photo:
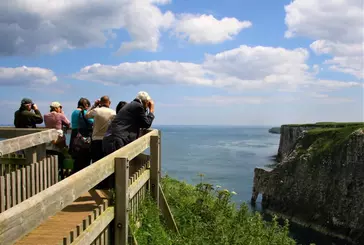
[275, 130]
[288, 139]
[320, 179]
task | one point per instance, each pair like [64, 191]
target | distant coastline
[275, 130]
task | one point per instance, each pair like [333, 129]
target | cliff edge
[319, 179]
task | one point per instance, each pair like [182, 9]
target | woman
[57, 120]
[81, 129]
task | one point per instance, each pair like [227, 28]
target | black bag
[80, 142]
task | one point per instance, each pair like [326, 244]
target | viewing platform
[37, 208]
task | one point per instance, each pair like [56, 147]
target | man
[25, 117]
[102, 115]
[126, 126]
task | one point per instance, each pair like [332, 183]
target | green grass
[326, 124]
[328, 140]
[205, 215]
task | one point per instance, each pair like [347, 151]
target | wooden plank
[93, 231]
[13, 189]
[27, 141]
[154, 167]
[121, 201]
[23, 184]
[139, 183]
[41, 177]
[33, 179]
[2, 194]
[49, 171]
[28, 181]
[7, 189]
[18, 186]
[166, 211]
[45, 173]
[133, 149]
[37, 179]
[55, 160]
[12, 132]
[18, 221]
[52, 170]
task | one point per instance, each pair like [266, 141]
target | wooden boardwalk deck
[55, 228]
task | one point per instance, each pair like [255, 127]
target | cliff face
[288, 139]
[320, 179]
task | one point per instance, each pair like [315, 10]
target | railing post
[155, 167]
[35, 153]
[121, 201]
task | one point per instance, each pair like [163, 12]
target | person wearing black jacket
[25, 117]
[126, 125]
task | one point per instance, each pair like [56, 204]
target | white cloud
[43, 26]
[337, 28]
[201, 29]
[243, 68]
[26, 76]
[48, 27]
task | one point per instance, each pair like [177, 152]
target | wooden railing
[23, 183]
[132, 179]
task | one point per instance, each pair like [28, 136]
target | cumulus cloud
[26, 76]
[200, 29]
[337, 28]
[237, 69]
[29, 27]
[42, 26]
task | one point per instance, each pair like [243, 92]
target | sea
[227, 156]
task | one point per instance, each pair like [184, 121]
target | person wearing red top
[57, 120]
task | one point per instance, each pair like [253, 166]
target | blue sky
[204, 62]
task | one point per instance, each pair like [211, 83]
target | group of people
[96, 130]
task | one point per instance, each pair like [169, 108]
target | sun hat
[55, 104]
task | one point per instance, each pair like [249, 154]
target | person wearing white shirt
[102, 115]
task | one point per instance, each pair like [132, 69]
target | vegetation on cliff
[327, 124]
[327, 140]
[206, 215]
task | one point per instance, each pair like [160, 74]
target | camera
[32, 106]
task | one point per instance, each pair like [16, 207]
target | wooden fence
[23, 183]
[133, 177]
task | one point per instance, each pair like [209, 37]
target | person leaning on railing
[28, 115]
[56, 119]
[126, 125]
[81, 128]
[102, 114]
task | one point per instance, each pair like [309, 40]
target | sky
[205, 62]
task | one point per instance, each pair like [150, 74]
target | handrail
[8, 132]
[26, 141]
[24, 217]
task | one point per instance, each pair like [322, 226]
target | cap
[55, 104]
[26, 101]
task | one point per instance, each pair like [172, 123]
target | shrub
[205, 215]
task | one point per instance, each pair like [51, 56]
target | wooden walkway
[55, 228]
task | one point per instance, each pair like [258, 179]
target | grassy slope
[327, 140]
[205, 215]
[327, 124]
